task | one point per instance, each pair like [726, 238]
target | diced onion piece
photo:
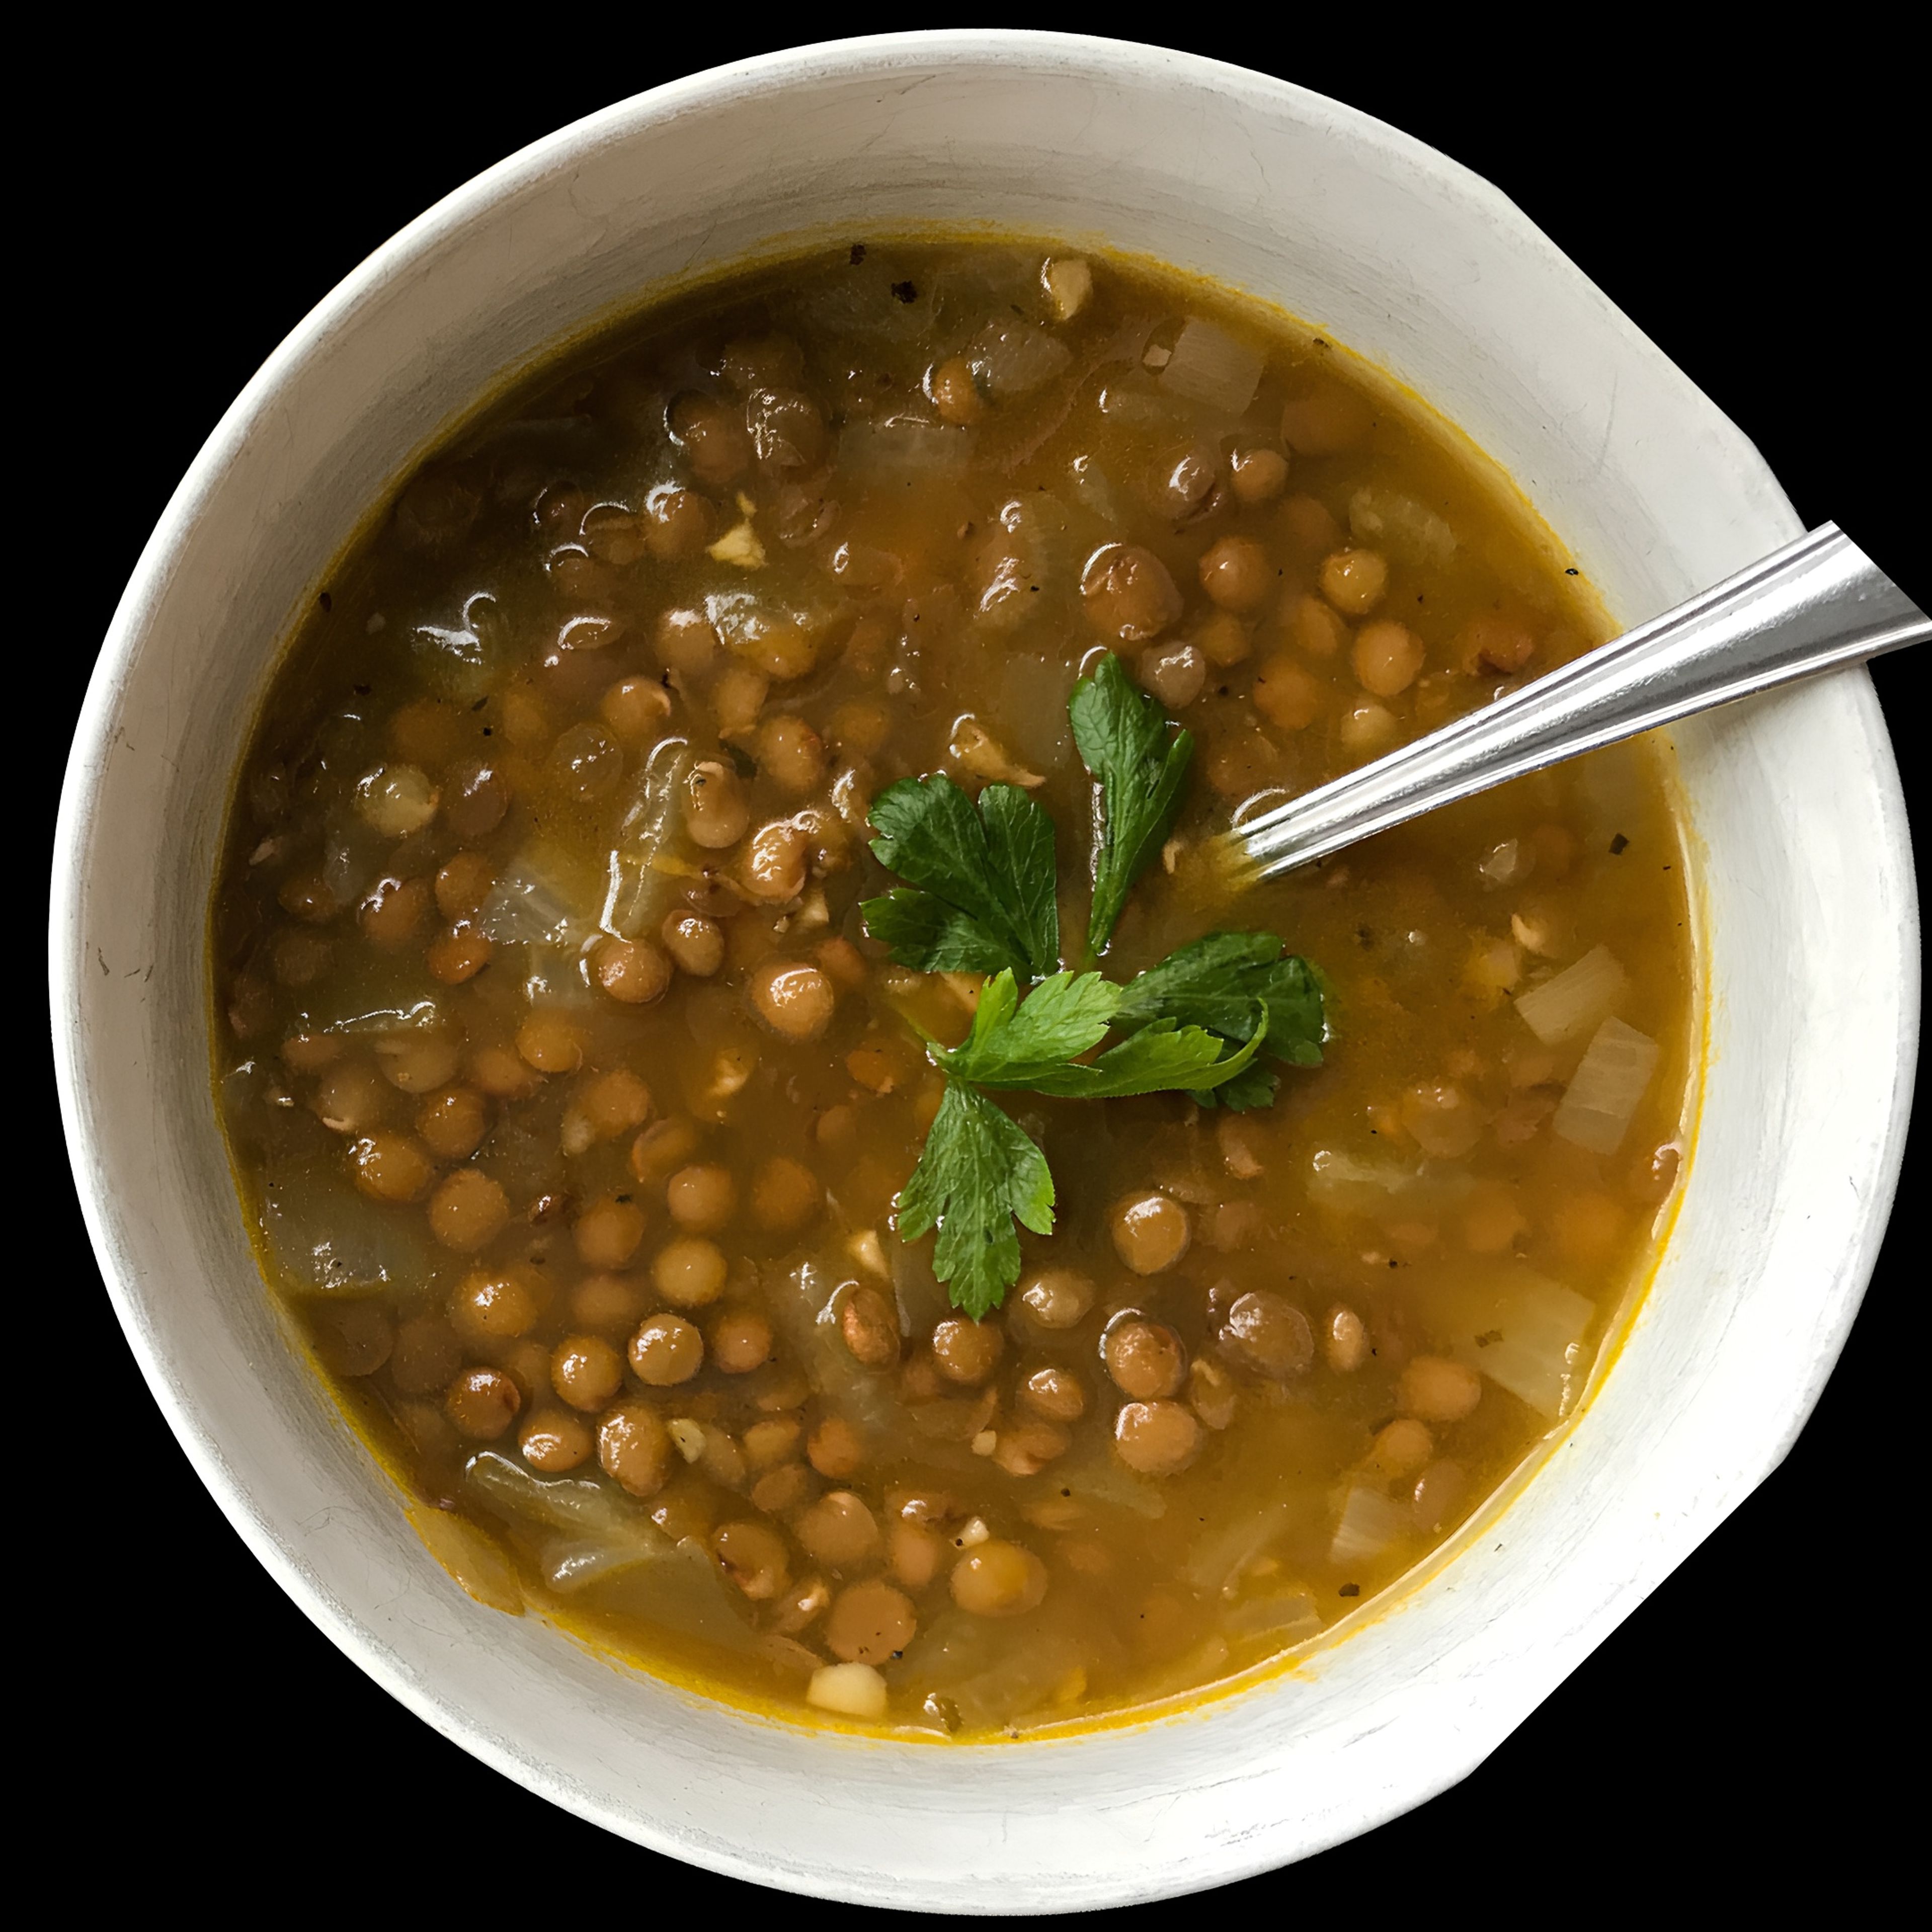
[1576, 999]
[584, 1507]
[1603, 1093]
[542, 896]
[1287, 1618]
[1013, 357]
[1504, 864]
[1209, 366]
[1410, 532]
[1525, 1334]
[1380, 1188]
[852, 1690]
[903, 447]
[803, 1304]
[1023, 1679]
[644, 863]
[1218, 1560]
[1358, 1186]
[571, 1567]
[1371, 1522]
[1137, 409]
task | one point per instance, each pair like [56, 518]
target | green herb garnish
[977, 1174]
[1124, 737]
[986, 899]
[982, 899]
[1220, 983]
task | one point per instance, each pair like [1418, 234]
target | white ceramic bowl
[1804, 887]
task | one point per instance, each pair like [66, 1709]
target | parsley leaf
[1161, 1058]
[984, 899]
[1254, 1086]
[1122, 737]
[1220, 983]
[1015, 1044]
[927, 934]
[1035, 1044]
[977, 1174]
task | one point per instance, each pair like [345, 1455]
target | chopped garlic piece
[733, 1067]
[1536, 934]
[689, 1436]
[852, 1690]
[1070, 282]
[985, 757]
[850, 799]
[864, 1249]
[739, 544]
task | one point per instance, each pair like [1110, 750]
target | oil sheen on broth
[570, 1098]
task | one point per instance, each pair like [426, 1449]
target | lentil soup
[692, 851]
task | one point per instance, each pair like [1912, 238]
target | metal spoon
[1815, 605]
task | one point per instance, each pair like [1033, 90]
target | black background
[1759, 226]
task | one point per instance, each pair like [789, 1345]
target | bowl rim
[474, 201]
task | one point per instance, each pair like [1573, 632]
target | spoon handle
[1816, 605]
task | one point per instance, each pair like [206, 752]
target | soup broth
[575, 1079]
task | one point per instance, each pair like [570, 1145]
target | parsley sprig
[981, 898]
